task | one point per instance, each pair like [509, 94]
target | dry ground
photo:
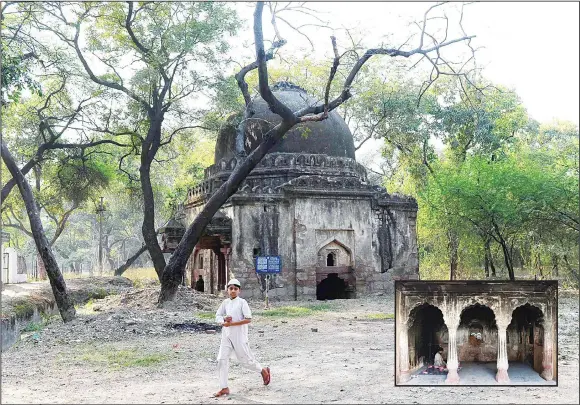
[124, 353]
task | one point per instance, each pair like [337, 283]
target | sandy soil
[349, 359]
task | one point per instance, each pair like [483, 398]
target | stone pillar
[502, 376]
[403, 350]
[547, 360]
[452, 321]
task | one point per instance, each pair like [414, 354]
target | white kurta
[234, 340]
[439, 361]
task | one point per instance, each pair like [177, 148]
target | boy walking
[234, 314]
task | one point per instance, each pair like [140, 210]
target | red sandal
[222, 392]
[266, 377]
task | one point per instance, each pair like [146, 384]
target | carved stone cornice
[284, 175]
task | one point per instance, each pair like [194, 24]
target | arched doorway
[335, 275]
[331, 288]
[525, 336]
[477, 335]
[427, 332]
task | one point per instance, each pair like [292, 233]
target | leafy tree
[169, 45]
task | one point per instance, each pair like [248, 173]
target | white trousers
[242, 351]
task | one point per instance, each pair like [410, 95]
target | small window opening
[331, 260]
[257, 252]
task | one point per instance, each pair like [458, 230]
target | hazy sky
[532, 47]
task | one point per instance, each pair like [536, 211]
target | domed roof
[330, 137]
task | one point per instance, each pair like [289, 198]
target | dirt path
[130, 356]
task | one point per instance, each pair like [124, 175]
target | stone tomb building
[307, 201]
[476, 322]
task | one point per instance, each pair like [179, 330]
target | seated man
[438, 361]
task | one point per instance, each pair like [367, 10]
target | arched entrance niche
[477, 335]
[525, 336]
[427, 332]
[335, 277]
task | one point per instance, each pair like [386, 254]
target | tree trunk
[539, 265]
[172, 275]
[108, 249]
[571, 270]
[7, 188]
[507, 259]
[485, 257]
[489, 257]
[129, 262]
[41, 269]
[554, 265]
[148, 150]
[453, 248]
[63, 301]
[506, 252]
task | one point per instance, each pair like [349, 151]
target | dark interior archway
[427, 332]
[330, 288]
[526, 331]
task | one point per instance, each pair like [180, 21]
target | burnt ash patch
[194, 326]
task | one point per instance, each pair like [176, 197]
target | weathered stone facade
[476, 321]
[314, 209]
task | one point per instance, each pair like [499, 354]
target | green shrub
[23, 308]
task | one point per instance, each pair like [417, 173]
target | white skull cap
[234, 281]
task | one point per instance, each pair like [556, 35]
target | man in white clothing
[234, 314]
[438, 361]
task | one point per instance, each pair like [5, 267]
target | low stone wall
[29, 307]
[12, 326]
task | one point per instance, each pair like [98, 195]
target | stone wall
[302, 206]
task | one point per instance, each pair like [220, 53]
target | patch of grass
[34, 327]
[295, 311]
[98, 294]
[380, 316]
[205, 315]
[23, 308]
[141, 276]
[117, 359]
[38, 326]
[86, 309]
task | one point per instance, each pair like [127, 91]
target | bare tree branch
[130, 18]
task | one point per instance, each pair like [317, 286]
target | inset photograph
[476, 332]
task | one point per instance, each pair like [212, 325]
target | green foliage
[294, 311]
[23, 308]
[116, 359]
[525, 198]
[380, 316]
[18, 60]
[98, 294]
[33, 327]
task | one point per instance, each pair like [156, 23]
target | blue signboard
[268, 264]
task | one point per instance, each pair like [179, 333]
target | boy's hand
[228, 318]
[226, 324]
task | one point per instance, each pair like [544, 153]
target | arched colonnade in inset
[475, 321]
